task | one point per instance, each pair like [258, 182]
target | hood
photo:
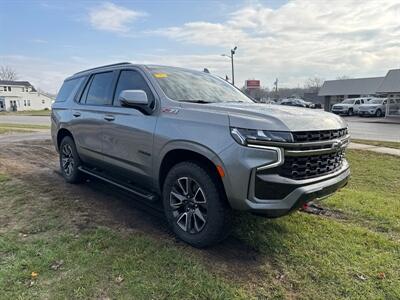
[277, 117]
[371, 105]
[342, 104]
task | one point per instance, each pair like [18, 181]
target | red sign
[253, 84]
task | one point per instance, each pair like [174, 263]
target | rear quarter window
[69, 89]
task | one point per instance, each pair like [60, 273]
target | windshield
[376, 101]
[193, 86]
[348, 102]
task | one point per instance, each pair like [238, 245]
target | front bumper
[280, 195]
[367, 112]
[340, 112]
[295, 192]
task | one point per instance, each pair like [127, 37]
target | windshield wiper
[197, 101]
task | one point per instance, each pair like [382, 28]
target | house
[335, 91]
[21, 95]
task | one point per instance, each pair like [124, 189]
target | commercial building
[21, 95]
[390, 88]
[335, 91]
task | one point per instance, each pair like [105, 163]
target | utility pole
[276, 87]
[233, 51]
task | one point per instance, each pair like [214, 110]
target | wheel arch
[62, 133]
[196, 153]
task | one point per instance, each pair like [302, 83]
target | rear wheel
[378, 113]
[70, 161]
[194, 205]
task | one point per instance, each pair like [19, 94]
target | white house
[21, 95]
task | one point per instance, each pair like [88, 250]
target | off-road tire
[350, 112]
[71, 175]
[218, 213]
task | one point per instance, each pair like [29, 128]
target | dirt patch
[95, 204]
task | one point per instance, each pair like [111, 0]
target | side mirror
[135, 99]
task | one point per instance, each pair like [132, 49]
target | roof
[391, 83]
[357, 86]
[105, 66]
[19, 83]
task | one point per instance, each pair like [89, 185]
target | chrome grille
[304, 167]
[314, 136]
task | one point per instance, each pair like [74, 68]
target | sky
[46, 41]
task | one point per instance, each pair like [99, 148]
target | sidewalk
[384, 150]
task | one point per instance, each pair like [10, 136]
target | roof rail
[112, 65]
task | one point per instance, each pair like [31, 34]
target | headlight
[245, 136]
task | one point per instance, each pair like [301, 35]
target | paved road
[360, 128]
[373, 131]
[21, 137]
[33, 120]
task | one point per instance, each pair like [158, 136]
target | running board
[133, 190]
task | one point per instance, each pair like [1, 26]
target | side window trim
[148, 82]
[79, 93]
[88, 84]
[86, 89]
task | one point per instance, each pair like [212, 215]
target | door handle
[109, 118]
[76, 114]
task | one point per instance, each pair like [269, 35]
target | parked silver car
[349, 107]
[375, 107]
[195, 143]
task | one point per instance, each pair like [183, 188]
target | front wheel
[195, 206]
[350, 113]
[70, 161]
[378, 113]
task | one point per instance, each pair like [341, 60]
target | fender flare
[190, 146]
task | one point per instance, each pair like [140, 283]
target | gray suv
[197, 144]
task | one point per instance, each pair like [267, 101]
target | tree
[313, 84]
[8, 73]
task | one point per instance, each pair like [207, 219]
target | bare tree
[313, 84]
[7, 73]
[342, 77]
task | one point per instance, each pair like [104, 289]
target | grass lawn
[9, 127]
[395, 145]
[353, 252]
[27, 113]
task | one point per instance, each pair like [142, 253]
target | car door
[128, 134]
[88, 115]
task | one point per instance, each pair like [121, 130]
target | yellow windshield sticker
[160, 75]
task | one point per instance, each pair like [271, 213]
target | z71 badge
[170, 110]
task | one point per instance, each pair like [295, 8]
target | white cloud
[303, 38]
[39, 41]
[48, 74]
[114, 18]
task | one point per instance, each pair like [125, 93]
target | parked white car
[375, 107]
[349, 107]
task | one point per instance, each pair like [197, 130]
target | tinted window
[358, 102]
[100, 88]
[132, 80]
[69, 89]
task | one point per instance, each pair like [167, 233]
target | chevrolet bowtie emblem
[337, 144]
